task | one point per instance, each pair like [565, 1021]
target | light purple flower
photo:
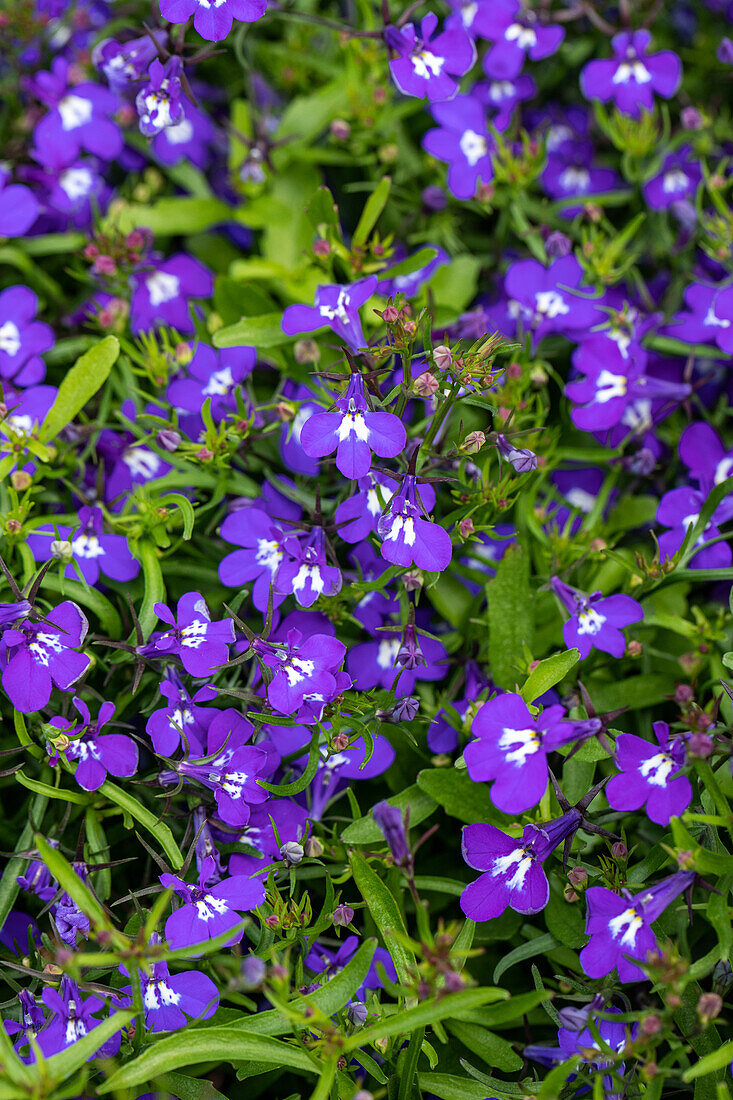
[425, 65]
[353, 432]
[516, 33]
[41, 655]
[22, 339]
[649, 776]
[407, 538]
[262, 539]
[357, 516]
[620, 927]
[213, 21]
[679, 179]
[462, 140]
[78, 117]
[544, 297]
[596, 621]
[125, 64]
[161, 293]
[93, 551]
[213, 375]
[632, 77]
[210, 912]
[708, 318]
[706, 458]
[511, 748]
[336, 307]
[38, 879]
[159, 100]
[409, 656]
[201, 645]
[96, 753]
[69, 919]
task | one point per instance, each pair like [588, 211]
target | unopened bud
[685, 860]
[442, 357]
[405, 710]
[473, 443]
[342, 915]
[651, 1025]
[619, 851]
[558, 245]
[273, 921]
[410, 328]
[426, 384]
[340, 742]
[466, 527]
[691, 118]
[390, 315]
[570, 894]
[700, 745]
[340, 129]
[61, 550]
[633, 649]
[683, 693]
[454, 982]
[306, 351]
[321, 247]
[709, 1006]
[723, 976]
[412, 580]
[292, 852]
[484, 192]
[253, 973]
[357, 1013]
[578, 876]
[313, 847]
[20, 480]
[168, 439]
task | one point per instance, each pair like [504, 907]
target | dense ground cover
[366, 476]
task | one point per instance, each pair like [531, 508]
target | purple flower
[709, 317]
[620, 927]
[544, 297]
[159, 101]
[263, 552]
[189, 139]
[520, 458]
[511, 749]
[463, 142]
[353, 432]
[73, 1018]
[302, 672]
[516, 34]
[411, 285]
[358, 515]
[69, 919]
[259, 833]
[571, 173]
[392, 827]
[336, 307]
[407, 538]
[75, 189]
[21, 413]
[41, 655]
[93, 551]
[679, 179]
[212, 21]
[328, 963]
[181, 721]
[22, 339]
[305, 573]
[596, 621]
[161, 293]
[169, 1000]
[96, 754]
[706, 458]
[650, 776]
[201, 645]
[210, 912]
[679, 509]
[424, 65]
[32, 1021]
[502, 96]
[633, 76]
[19, 209]
[576, 1038]
[125, 64]
[38, 879]
[78, 117]
[513, 876]
[213, 375]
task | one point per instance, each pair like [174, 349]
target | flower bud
[61, 550]
[700, 745]
[253, 973]
[691, 119]
[20, 480]
[683, 693]
[273, 921]
[306, 351]
[442, 357]
[709, 1006]
[390, 315]
[558, 245]
[321, 247]
[454, 982]
[570, 895]
[357, 1013]
[412, 580]
[633, 649]
[473, 443]
[340, 742]
[434, 198]
[426, 384]
[168, 439]
[313, 847]
[723, 976]
[619, 851]
[292, 853]
[466, 527]
[342, 915]
[405, 710]
[578, 876]
[651, 1025]
[340, 129]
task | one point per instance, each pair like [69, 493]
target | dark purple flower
[213, 375]
[407, 538]
[358, 515]
[181, 721]
[572, 173]
[516, 33]
[38, 879]
[649, 776]
[336, 307]
[92, 550]
[381, 662]
[96, 753]
[425, 65]
[391, 824]
[167, 1000]
[632, 77]
[511, 748]
[545, 299]
[596, 621]
[353, 432]
[302, 672]
[502, 96]
[679, 179]
[31, 1022]
[159, 100]
[73, 1018]
[78, 117]
[201, 645]
[69, 919]
[210, 912]
[41, 655]
[620, 927]
[19, 208]
[260, 559]
[305, 571]
[679, 509]
[463, 142]
[212, 21]
[161, 293]
[22, 339]
[258, 834]
[125, 64]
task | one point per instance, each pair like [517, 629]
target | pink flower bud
[442, 357]
[426, 384]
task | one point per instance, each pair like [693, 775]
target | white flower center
[74, 111]
[162, 287]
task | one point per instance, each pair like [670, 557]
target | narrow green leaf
[187, 1088]
[373, 207]
[147, 555]
[459, 796]
[88, 375]
[423, 1015]
[366, 831]
[78, 798]
[408, 1069]
[386, 915]
[9, 888]
[416, 262]
[537, 946]
[147, 819]
[263, 331]
[171, 217]
[548, 673]
[449, 1087]
[494, 1050]
[284, 790]
[511, 621]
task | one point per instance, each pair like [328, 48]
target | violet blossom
[209, 912]
[336, 307]
[425, 65]
[650, 776]
[96, 753]
[596, 621]
[632, 77]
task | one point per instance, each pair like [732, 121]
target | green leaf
[147, 554]
[147, 819]
[9, 888]
[454, 285]
[67, 878]
[416, 262]
[513, 1008]
[408, 1065]
[494, 1050]
[460, 796]
[717, 1059]
[511, 620]
[211, 1044]
[283, 790]
[76, 797]
[538, 946]
[322, 209]
[89, 598]
[449, 1087]
[386, 915]
[85, 378]
[366, 831]
[565, 922]
[171, 217]
[425, 1014]
[637, 692]
[373, 207]
[552, 1084]
[548, 673]
[187, 1088]
[263, 331]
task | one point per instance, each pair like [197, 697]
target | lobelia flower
[302, 670]
[358, 515]
[125, 64]
[38, 879]
[353, 432]
[305, 572]
[181, 721]
[425, 65]
[571, 173]
[679, 178]
[96, 753]
[522, 459]
[704, 455]
[463, 142]
[291, 451]
[73, 1018]
[575, 1037]
[679, 509]
[159, 100]
[259, 833]
[19, 207]
[167, 1000]
[596, 621]
[516, 33]
[411, 285]
[632, 77]
[162, 291]
[544, 297]
[391, 822]
[442, 733]
[75, 189]
[620, 927]
[21, 414]
[649, 776]
[379, 663]
[327, 963]
[512, 868]
[210, 912]
[213, 21]
[93, 551]
[39, 656]
[69, 919]
[263, 552]
[22, 339]
[32, 1021]
[212, 374]
[189, 139]
[78, 116]
[201, 645]
[511, 749]
[502, 96]
[336, 307]
[407, 538]
[708, 318]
